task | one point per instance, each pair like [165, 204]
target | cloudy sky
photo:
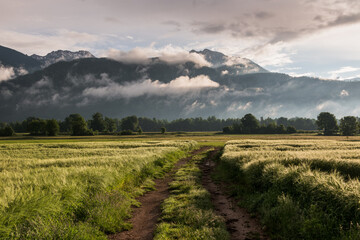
[300, 37]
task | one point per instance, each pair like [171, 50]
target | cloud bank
[178, 86]
[7, 73]
[169, 54]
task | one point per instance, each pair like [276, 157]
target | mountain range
[197, 84]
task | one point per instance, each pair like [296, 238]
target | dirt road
[240, 224]
[146, 217]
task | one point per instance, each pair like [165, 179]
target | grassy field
[303, 189]
[60, 189]
[303, 186]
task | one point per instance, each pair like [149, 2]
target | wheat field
[303, 189]
[70, 190]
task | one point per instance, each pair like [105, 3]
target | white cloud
[194, 106]
[43, 85]
[177, 86]
[344, 93]
[6, 73]
[169, 54]
[345, 70]
[336, 74]
[271, 54]
[225, 72]
[245, 106]
[42, 44]
[308, 74]
[235, 106]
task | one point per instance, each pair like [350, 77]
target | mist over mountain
[171, 87]
[14, 63]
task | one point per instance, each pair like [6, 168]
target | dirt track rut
[239, 222]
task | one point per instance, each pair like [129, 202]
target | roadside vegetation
[78, 190]
[303, 189]
[188, 212]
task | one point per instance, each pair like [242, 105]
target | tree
[227, 129]
[282, 120]
[7, 131]
[98, 123]
[37, 127]
[163, 130]
[237, 127]
[78, 126]
[291, 129]
[249, 124]
[140, 131]
[110, 124]
[349, 126]
[327, 122]
[130, 123]
[280, 129]
[52, 127]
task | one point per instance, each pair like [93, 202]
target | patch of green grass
[188, 212]
[77, 190]
[279, 180]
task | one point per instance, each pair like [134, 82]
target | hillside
[170, 90]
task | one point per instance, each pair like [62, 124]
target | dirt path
[239, 222]
[146, 217]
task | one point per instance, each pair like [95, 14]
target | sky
[317, 38]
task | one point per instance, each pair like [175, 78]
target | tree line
[329, 125]
[326, 123]
[250, 125]
[75, 124]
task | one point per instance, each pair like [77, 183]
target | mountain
[171, 89]
[10, 58]
[61, 55]
[230, 65]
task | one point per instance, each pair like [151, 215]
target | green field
[77, 190]
[303, 189]
[302, 186]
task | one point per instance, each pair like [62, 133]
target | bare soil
[146, 217]
[240, 224]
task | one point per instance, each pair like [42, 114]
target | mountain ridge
[61, 55]
[169, 91]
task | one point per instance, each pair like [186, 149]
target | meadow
[302, 189]
[77, 189]
[301, 186]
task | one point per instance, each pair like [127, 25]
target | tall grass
[298, 186]
[188, 212]
[77, 190]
